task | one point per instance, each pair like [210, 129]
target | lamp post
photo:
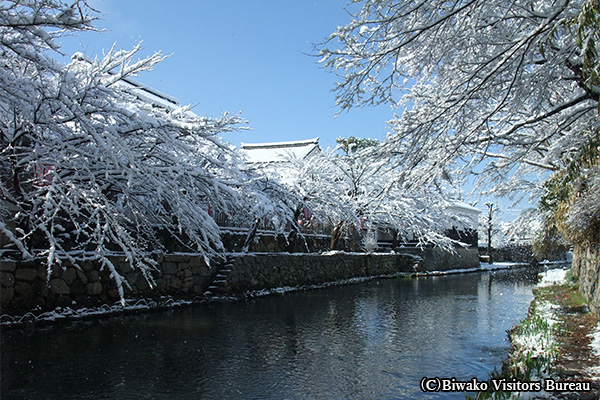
[491, 210]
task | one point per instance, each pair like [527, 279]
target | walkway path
[578, 339]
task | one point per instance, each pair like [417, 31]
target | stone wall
[25, 286]
[273, 242]
[434, 259]
[267, 271]
[586, 265]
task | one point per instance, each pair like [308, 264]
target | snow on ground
[537, 341]
[67, 313]
[552, 277]
[558, 276]
[595, 345]
[548, 278]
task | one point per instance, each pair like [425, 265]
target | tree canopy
[92, 162]
[504, 90]
[477, 80]
[359, 189]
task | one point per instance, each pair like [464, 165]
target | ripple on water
[365, 341]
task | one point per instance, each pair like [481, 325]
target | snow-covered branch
[472, 79]
[91, 161]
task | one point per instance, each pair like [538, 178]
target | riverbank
[371, 340]
[29, 287]
[160, 303]
[555, 351]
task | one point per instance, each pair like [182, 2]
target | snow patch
[595, 345]
[552, 277]
[68, 313]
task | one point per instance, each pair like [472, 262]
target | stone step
[215, 290]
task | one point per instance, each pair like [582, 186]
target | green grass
[531, 361]
[565, 295]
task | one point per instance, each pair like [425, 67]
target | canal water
[373, 340]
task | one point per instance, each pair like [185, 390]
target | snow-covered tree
[570, 204]
[348, 187]
[92, 162]
[272, 199]
[507, 90]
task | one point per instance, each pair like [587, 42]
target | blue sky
[251, 57]
[242, 56]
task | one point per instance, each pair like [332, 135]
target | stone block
[59, 286]
[69, 275]
[88, 266]
[187, 283]
[161, 284]
[132, 277]
[82, 277]
[175, 258]
[25, 274]
[78, 288]
[42, 272]
[169, 268]
[63, 300]
[204, 271]
[8, 266]
[142, 284]
[57, 271]
[94, 288]
[38, 301]
[118, 260]
[175, 283]
[24, 289]
[124, 267]
[7, 279]
[39, 286]
[197, 261]
[6, 295]
[94, 276]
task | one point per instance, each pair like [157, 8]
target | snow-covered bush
[583, 217]
[571, 202]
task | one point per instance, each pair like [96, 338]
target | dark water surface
[373, 340]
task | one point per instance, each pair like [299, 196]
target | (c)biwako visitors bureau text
[437, 384]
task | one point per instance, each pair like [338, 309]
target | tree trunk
[335, 235]
[251, 235]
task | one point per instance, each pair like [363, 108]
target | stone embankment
[267, 271]
[26, 286]
[586, 265]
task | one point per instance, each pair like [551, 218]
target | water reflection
[368, 341]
